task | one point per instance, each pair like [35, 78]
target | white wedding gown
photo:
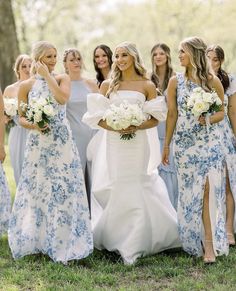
[130, 207]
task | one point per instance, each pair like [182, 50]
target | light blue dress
[228, 140]
[168, 172]
[199, 155]
[5, 202]
[82, 133]
[50, 212]
[17, 142]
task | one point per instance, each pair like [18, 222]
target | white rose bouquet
[39, 111]
[125, 115]
[10, 110]
[201, 102]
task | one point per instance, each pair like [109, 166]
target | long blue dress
[168, 172]
[50, 212]
[5, 202]
[228, 142]
[199, 155]
[82, 133]
[17, 143]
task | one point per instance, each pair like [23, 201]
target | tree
[9, 48]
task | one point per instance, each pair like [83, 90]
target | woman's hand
[202, 120]
[42, 69]
[165, 155]
[129, 130]
[41, 129]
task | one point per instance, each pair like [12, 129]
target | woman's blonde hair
[19, 60]
[196, 49]
[75, 53]
[116, 73]
[38, 51]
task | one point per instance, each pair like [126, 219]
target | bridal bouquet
[39, 111]
[202, 102]
[10, 109]
[124, 115]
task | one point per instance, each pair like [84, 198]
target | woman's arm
[59, 85]
[2, 129]
[172, 117]
[232, 112]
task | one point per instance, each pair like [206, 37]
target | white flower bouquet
[201, 102]
[10, 110]
[125, 115]
[39, 111]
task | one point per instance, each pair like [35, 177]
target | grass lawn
[105, 271]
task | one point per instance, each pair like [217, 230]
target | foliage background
[87, 23]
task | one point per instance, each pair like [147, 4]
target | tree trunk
[9, 48]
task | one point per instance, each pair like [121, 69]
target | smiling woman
[130, 208]
[50, 213]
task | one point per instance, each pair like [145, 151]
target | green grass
[105, 271]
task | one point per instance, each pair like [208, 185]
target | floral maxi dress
[50, 213]
[198, 156]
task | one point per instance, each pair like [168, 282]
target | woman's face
[50, 59]
[123, 59]
[73, 62]
[214, 61]
[101, 59]
[183, 57]
[24, 69]
[159, 57]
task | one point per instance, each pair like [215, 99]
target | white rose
[207, 97]
[37, 116]
[199, 108]
[49, 110]
[42, 101]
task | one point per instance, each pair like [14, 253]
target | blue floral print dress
[198, 156]
[5, 202]
[50, 213]
[228, 139]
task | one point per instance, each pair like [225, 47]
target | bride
[130, 209]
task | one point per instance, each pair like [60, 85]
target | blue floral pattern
[228, 139]
[50, 213]
[198, 156]
[5, 202]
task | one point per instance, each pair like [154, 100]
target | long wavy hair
[19, 61]
[196, 49]
[38, 51]
[108, 52]
[76, 54]
[221, 74]
[169, 69]
[116, 74]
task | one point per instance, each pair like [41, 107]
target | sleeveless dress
[199, 155]
[5, 202]
[168, 172]
[130, 208]
[17, 143]
[228, 141]
[50, 213]
[82, 133]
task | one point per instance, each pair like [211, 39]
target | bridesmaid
[50, 213]
[77, 106]
[102, 60]
[162, 71]
[18, 134]
[198, 155]
[216, 56]
[5, 200]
